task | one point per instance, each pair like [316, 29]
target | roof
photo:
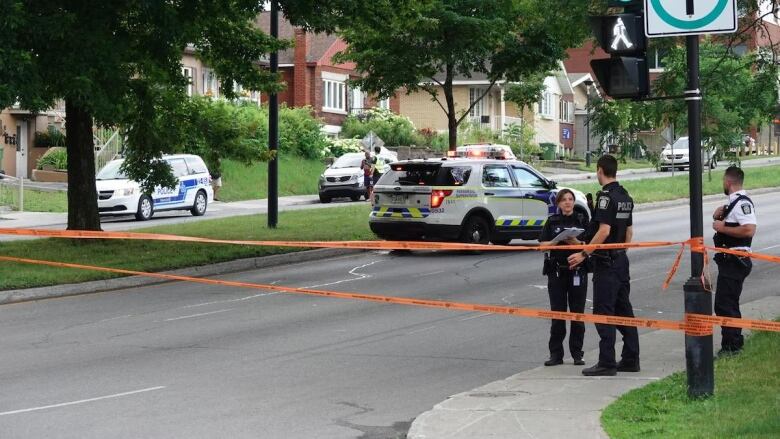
[318, 43]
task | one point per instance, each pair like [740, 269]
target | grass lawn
[297, 176]
[339, 223]
[746, 403]
[670, 188]
[34, 201]
[630, 164]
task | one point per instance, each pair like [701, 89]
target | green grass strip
[746, 403]
[648, 190]
[349, 222]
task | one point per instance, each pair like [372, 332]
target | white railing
[11, 193]
[107, 150]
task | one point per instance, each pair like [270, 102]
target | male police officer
[734, 225]
[611, 223]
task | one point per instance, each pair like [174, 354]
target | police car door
[538, 200]
[166, 198]
[501, 196]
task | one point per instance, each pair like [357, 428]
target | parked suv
[118, 195]
[677, 156]
[344, 178]
[472, 200]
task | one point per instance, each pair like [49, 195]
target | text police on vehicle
[118, 195]
[475, 200]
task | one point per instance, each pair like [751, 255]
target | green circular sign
[689, 24]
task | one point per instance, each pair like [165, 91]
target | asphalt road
[180, 360]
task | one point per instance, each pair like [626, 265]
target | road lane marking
[81, 401]
[769, 248]
[476, 317]
[420, 330]
[199, 315]
[360, 276]
[240, 299]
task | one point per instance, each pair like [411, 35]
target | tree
[526, 93]
[119, 63]
[423, 44]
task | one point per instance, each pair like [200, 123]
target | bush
[300, 133]
[393, 129]
[56, 157]
[339, 147]
[49, 138]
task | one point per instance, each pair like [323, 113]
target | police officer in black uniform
[611, 223]
[734, 225]
[567, 288]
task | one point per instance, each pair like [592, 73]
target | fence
[11, 193]
[108, 144]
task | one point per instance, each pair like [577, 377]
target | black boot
[597, 370]
[553, 362]
[628, 366]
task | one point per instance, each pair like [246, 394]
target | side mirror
[552, 184]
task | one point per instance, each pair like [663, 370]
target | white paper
[566, 234]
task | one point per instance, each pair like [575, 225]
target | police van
[118, 195]
[474, 200]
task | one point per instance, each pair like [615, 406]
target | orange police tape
[694, 324]
[690, 327]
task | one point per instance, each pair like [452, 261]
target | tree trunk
[452, 117]
[82, 194]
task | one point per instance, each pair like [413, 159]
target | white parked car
[118, 195]
[344, 178]
[677, 156]
[472, 200]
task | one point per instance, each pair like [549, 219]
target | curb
[99, 286]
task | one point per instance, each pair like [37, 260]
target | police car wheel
[355, 198]
[476, 231]
[200, 204]
[324, 199]
[502, 241]
[145, 208]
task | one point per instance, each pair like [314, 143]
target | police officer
[611, 223]
[565, 286]
[734, 225]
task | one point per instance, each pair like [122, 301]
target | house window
[333, 95]
[357, 100]
[474, 96]
[656, 59]
[546, 108]
[566, 111]
[187, 73]
[384, 104]
[210, 83]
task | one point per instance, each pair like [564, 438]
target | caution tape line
[694, 324]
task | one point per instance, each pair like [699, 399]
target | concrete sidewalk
[557, 402]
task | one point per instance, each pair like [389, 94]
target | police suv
[118, 195]
[475, 200]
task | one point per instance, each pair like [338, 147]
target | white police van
[474, 200]
[118, 195]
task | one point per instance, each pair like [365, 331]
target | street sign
[371, 140]
[667, 18]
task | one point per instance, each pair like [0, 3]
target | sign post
[691, 18]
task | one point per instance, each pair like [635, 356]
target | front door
[538, 199]
[21, 149]
[501, 197]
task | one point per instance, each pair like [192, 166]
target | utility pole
[273, 128]
[588, 83]
[698, 349]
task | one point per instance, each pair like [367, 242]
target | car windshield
[347, 162]
[112, 171]
[426, 174]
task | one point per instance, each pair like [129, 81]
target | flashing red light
[438, 196]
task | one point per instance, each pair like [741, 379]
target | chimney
[301, 86]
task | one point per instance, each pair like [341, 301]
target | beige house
[18, 128]
[552, 118]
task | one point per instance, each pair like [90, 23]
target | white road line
[768, 248]
[240, 299]
[82, 401]
[199, 315]
[431, 273]
[541, 287]
[360, 276]
[420, 330]
[476, 317]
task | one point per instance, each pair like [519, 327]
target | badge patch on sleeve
[746, 209]
[603, 202]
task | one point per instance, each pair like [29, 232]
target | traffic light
[625, 74]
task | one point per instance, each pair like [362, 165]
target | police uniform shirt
[614, 207]
[555, 225]
[743, 213]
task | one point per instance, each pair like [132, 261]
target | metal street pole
[698, 349]
[273, 128]
[587, 124]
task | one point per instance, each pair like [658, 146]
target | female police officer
[565, 286]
